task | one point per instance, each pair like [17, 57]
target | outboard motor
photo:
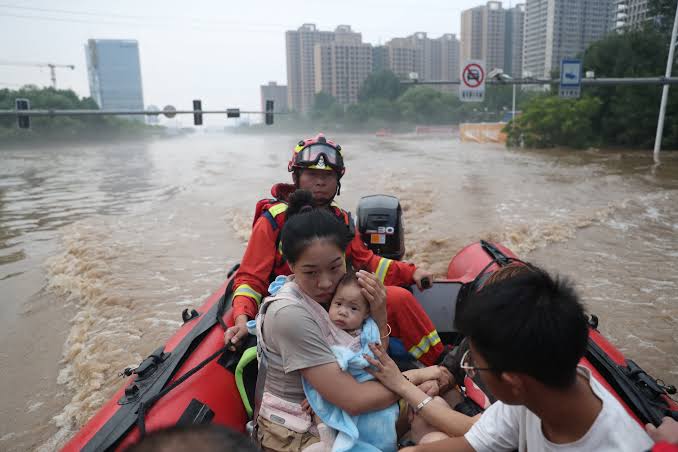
[380, 222]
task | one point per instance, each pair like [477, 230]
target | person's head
[526, 331]
[314, 242]
[349, 308]
[196, 438]
[317, 165]
[485, 279]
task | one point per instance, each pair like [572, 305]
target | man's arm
[251, 280]
[390, 272]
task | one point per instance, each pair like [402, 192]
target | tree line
[63, 128]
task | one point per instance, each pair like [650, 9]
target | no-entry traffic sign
[472, 77]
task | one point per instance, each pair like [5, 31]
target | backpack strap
[262, 358]
[269, 208]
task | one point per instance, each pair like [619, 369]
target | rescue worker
[317, 166]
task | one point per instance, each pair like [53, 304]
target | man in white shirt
[527, 336]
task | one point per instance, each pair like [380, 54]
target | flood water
[103, 246]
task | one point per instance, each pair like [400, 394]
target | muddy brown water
[102, 246]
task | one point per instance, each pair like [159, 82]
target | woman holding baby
[305, 347]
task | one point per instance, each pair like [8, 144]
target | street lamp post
[665, 91]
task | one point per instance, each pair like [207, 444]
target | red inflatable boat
[193, 379]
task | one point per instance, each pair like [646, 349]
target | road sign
[472, 86]
[169, 111]
[570, 79]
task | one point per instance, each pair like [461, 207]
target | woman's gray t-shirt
[294, 339]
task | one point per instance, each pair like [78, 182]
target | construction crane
[52, 68]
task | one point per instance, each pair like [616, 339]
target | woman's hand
[418, 376]
[430, 387]
[445, 380]
[375, 294]
[385, 370]
[236, 333]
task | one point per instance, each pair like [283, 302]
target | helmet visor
[319, 155]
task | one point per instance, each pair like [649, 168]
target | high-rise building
[379, 58]
[401, 57]
[114, 74]
[513, 50]
[448, 69]
[300, 47]
[556, 29]
[276, 93]
[341, 67]
[630, 13]
[472, 34]
[430, 59]
[495, 35]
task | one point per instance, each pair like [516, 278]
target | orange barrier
[485, 132]
[434, 130]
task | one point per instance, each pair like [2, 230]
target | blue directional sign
[570, 78]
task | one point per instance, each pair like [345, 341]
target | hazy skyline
[214, 51]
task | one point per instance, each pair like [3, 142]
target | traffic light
[197, 117]
[23, 121]
[269, 112]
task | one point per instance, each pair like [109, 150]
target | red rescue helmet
[317, 153]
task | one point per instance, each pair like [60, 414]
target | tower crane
[52, 67]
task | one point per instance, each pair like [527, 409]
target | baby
[349, 308]
[350, 311]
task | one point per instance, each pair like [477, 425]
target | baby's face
[349, 309]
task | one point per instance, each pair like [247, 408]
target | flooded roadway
[102, 246]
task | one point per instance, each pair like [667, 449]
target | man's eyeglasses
[468, 366]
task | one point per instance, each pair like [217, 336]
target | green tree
[663, 13]
[61, 127]
[322, 102]
[551, 121]
[381, 85]
[357, 114]
[628, 116]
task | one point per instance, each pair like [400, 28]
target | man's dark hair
[305, 224]
[529, 323]
[194, 438]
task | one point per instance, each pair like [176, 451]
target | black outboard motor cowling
[380, 222]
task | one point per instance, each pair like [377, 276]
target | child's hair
[528, 322]
[351, 279]
[305, 224]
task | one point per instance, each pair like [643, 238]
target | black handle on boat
[426, 283]
[494, 253]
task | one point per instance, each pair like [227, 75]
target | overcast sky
[219, 51]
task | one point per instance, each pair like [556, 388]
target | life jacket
[274, 210]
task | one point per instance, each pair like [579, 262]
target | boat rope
[147, 404]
